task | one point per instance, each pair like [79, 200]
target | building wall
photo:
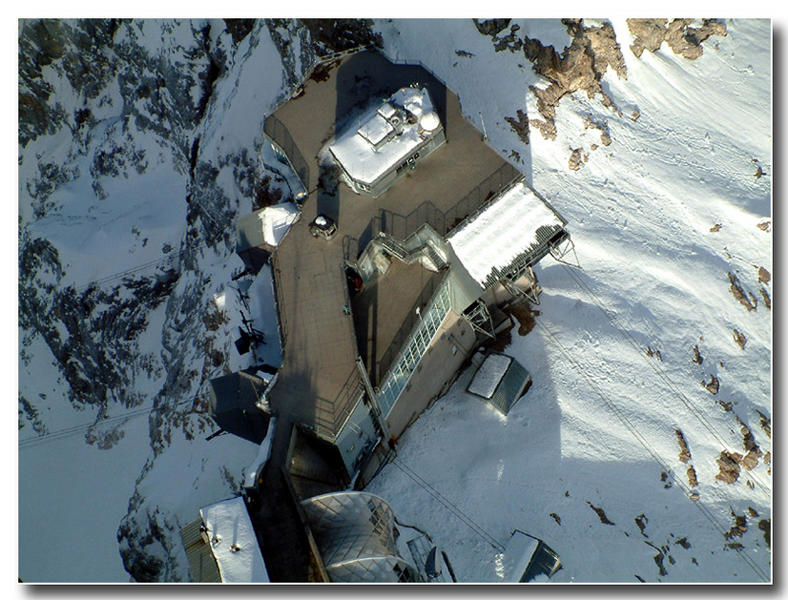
[439, 364]
[388, 179]
[357, 436]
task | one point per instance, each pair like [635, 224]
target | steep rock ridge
[67, 46]
[92, 332]
[580, 67]
[292, 39]
[124, 93]
[337, 35]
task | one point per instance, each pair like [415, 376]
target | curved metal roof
[355, 534]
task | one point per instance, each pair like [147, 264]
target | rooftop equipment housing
[390, 139]
[501, 380]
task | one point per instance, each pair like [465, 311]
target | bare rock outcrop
[681, 36]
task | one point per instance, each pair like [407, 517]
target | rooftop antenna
[484, 129]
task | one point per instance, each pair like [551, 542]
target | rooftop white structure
[503, 230]
[388, 138]
[233, 542]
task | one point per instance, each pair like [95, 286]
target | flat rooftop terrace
[318, 383]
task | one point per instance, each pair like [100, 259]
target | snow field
[599, 421]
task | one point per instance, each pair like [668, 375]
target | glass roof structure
[356, 536]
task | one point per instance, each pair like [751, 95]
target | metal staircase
[398, 250]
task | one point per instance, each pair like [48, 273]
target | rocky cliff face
[120, 119]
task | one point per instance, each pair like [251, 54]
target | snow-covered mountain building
[376, 320]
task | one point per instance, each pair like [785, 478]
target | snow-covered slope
[664, 181]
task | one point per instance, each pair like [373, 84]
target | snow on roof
[376, 129]
[505, 229]
[233, 542]
[517, 555]
[363, 150]
[263, 454]
[276, 221]
[489, 375]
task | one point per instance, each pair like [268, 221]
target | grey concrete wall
[437, 366]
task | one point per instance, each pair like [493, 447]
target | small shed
[527, 558]
[502, 380]
[234, 403]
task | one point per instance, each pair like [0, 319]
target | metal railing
[276, 274]
[407, 326]
[332, 414]
[476, 200]
[279, 135]
[402, 226]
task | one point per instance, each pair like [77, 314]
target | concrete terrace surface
[319, 344]
[382, 306]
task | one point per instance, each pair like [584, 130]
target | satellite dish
[429, 121]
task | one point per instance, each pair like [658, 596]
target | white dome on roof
[429, 121]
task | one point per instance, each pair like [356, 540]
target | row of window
[400, 373]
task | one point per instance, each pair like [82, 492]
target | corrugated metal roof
[202, 564]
